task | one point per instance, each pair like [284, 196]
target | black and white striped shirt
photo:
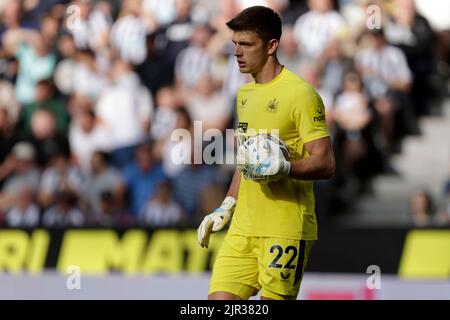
[192, 63]
[128, 36]
[313, 31]
[88, 32]
[388, 63]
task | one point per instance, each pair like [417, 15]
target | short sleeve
[309, 115]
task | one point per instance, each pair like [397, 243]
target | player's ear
[272, 46]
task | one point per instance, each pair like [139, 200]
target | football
[255, 149]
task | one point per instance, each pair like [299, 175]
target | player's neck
[269, 72]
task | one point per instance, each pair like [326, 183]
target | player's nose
[237, 51]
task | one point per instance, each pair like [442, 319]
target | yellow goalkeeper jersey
[290, 108]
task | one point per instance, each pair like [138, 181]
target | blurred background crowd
[91, 90]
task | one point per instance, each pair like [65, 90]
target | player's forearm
[233, 190]
[314, 167]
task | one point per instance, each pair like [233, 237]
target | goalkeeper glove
[268, 169]
[215, 221]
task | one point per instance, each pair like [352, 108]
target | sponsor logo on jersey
[242, 127]
[319, 113]
[241, 132]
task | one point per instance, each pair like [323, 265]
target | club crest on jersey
[272, 105]
[318, 113]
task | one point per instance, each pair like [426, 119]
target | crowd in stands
[91, 91]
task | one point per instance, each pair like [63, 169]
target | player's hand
[258, 162]
[215, 221]
[268, 169]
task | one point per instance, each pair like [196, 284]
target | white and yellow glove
[268, 169]
[262, 168]
[215, 221]
[263, 158]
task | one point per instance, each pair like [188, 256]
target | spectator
[49, 28]
[356, 17]
[111, 215]
[128, 34]
[227, 10]
[157, 70]
[207, 105]
[60, 175]
[92, 26]
[20, 171]
[103, 182]
[161, 12]
[86, 135]
[161, 210]
[175, 36]
[25, 212]
[125, 107]
[8, 101]
[175, 150]
[64, 213]
[388, 79]
[412, 33]
[11, 17]
[189, 184]
[87, 79]
[195, 61]
[141, 177]
[46, 100]
[35, 11]
[165, 114]
[351, 110]
[9, 67]
[353, 135]
[443, 217]
[332, 65]
[36, 62]
[65, 69]
[316, 28]
[45, 137]
[289, 55]
[7, 137]
[421, 208]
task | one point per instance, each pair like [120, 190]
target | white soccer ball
[257, 148]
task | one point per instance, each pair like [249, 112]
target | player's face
[250, 51]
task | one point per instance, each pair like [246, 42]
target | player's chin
[244, 69]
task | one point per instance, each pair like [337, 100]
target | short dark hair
[265, 22]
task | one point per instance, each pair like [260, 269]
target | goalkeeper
[274, 223]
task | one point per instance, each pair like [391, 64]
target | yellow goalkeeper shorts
[245, 265]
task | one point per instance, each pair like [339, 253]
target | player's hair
[265, 22]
